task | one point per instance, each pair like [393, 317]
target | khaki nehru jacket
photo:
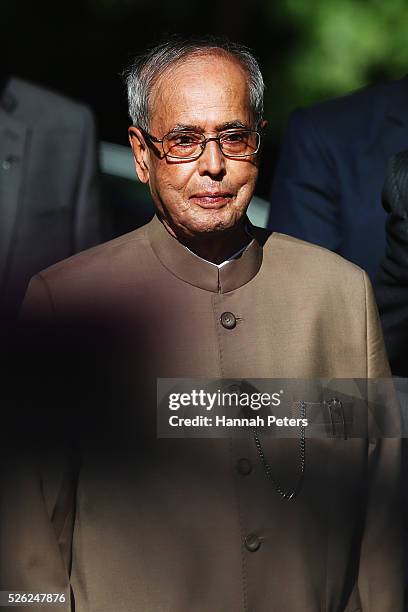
[171, 525]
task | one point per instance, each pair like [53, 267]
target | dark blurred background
[309, 50]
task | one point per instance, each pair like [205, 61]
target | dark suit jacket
[392, 281]
[328, 183]
[49, 203]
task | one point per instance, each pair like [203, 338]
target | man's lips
[211, 199]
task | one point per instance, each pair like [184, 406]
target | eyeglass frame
[203, 144]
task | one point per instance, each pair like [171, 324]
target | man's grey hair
[146, 69]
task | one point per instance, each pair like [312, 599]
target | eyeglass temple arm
[150, 136]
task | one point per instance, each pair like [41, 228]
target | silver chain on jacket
[291, 494]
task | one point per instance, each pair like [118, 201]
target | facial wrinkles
[185, 92]
[206, 94]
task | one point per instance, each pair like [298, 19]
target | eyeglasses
[190, 145]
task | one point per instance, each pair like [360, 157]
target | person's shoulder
[37, 104]
[101, 260]
[299, 255]
[360, 97]
[355, 111]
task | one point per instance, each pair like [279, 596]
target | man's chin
[215, 220]
[213, 224]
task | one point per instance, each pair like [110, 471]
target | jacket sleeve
[38, 471]
[87, 205]
[381, 560]
[305, 194]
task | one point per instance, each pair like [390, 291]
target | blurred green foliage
[330, 48]
[337, 46]
[309, 50]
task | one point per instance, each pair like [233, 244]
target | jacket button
[252, 542]
[228, 320]
[244, 466]
[9, 161]
[234, 388]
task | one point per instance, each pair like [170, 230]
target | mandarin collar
[198, 272]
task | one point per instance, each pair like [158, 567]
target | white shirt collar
[234, 256]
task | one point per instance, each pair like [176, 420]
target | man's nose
[212, 161]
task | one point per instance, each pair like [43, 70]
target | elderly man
[204, 524]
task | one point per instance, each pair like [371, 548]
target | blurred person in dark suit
[392, 290]
[49, 200]
[392, 281]
[327, 187]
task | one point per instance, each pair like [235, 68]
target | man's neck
[216, 247]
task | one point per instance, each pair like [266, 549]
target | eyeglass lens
[190, 144]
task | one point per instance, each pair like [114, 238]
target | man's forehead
[218, 68]
[204, 90]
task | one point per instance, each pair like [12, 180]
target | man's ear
[140, 153]
[264, 124]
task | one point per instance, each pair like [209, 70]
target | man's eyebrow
[184, 127]
[232, 125]
[228, 125]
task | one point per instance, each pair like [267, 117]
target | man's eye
[184, 140]
[235, 137]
